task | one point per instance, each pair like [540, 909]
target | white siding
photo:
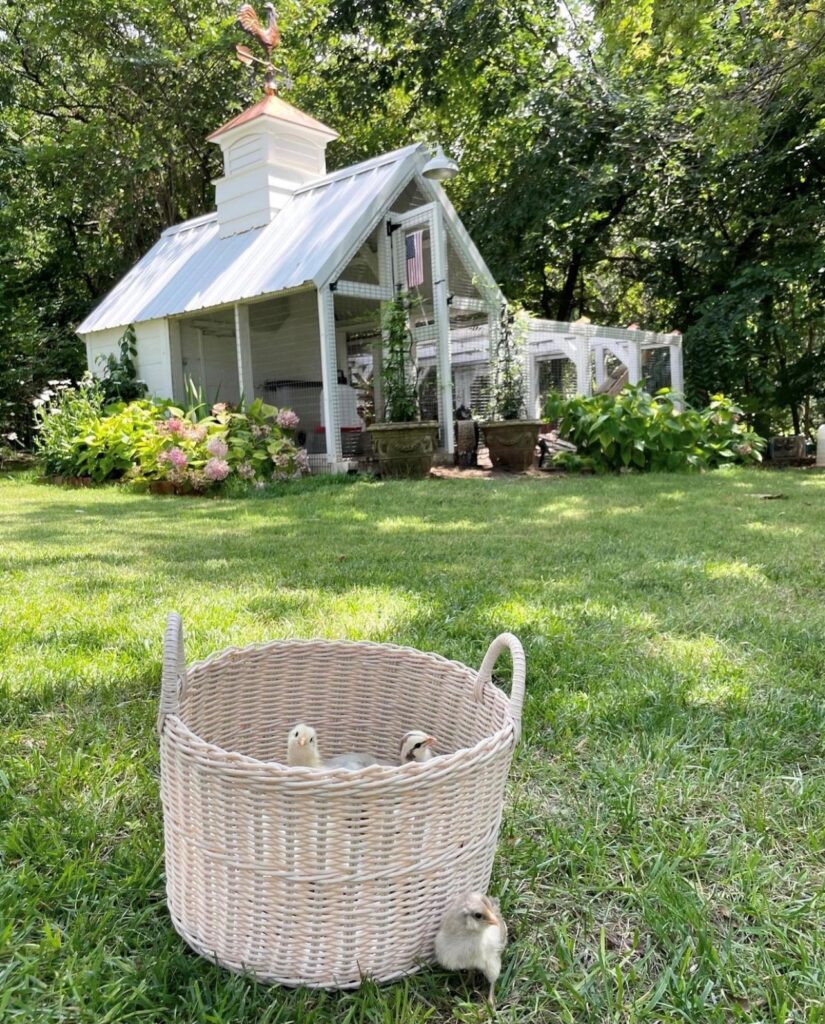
[99, 345]
[153, 360]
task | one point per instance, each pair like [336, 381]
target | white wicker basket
[323, 878]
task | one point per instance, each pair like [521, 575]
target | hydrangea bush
[152, 442]
[255, 445]
[657, 432]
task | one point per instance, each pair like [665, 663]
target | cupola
[271, 149]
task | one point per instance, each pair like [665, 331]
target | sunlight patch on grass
[420, 524]
[753, 574]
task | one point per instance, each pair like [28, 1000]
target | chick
[302, 751]
[416, 746]
[472, 937]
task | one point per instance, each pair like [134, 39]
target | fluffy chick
[416, 746]
[472, 937]
[302, 751]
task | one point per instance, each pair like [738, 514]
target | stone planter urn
[512, 443]
[404, 449]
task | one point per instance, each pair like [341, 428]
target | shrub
[650, 432]
[79, 435]
[64, 415]
[198, 453]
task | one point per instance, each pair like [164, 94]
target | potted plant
[511, 438]
[404, 445]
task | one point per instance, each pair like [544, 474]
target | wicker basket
[324, 878]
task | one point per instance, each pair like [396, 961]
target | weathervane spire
[268, 37]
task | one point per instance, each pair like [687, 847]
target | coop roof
[191, 268]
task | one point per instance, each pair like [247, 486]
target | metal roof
[191, 268]
[280, 110]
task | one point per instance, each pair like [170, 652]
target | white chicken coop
[277, 294]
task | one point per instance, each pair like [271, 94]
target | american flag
[415, 258]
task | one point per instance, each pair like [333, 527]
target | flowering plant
[256, 445]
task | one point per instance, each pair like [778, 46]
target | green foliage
[119, 379]
[65, 415]
[145, 441]
[508, 367]
[651, 432]
[398, 373]
[227, 448]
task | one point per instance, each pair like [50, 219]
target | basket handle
[505, 641]
[174, 669]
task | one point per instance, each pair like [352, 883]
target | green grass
[662, 855]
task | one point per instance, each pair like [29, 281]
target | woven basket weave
[323, 878]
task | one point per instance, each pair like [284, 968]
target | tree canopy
[646, 161]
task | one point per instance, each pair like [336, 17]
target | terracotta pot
[512, 443]
[162, 487]
[404, 449]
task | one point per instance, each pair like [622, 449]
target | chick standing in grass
[472, 937]
[416, 746]
[302, 751]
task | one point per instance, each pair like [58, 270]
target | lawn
[662, 855]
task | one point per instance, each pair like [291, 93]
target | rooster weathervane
[269, 37]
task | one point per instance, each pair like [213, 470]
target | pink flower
[217, 446]
[282, 461]
[196, 434]
[260, 432]
[171, 426]
[246, 471]
[176, 457]
[216, 469]
[287, 419]
[218, 408]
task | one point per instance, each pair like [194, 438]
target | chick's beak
[302, 742]
[491, 918]
[429, 741]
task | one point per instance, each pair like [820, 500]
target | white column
[176, 362]
[386, 281]
[677, 380]
[533, 397]
[633, 362]
[329, 374]
[598, 354]
[582, 362]
[441, 313]
[243, 342]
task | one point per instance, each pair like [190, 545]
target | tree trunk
[568, 292]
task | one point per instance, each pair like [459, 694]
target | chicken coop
[277, 294]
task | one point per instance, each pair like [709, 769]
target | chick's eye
[295, 734]
[417, 746]
[477, 916]
[311, 739]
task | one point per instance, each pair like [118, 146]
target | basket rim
[490, 744]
